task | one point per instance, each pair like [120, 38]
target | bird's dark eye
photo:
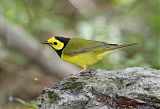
[55, 43]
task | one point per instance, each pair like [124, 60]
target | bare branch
[17, 39]
[84, 6]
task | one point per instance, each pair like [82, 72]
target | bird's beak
[45, 42]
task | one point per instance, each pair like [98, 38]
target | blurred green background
[112, 21]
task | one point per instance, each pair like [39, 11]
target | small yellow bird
[81, 52]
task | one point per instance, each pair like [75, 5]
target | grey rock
[131, 88]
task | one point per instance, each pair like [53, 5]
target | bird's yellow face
[55, 43]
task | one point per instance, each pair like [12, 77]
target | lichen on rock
[131, 88]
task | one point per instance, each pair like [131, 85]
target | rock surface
[131, 88]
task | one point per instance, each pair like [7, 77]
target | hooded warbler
[81, 52]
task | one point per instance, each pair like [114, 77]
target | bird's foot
[84, 72]
[87, 72]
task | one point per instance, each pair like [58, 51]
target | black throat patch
[65, 41]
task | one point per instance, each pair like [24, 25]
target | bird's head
[58, 43]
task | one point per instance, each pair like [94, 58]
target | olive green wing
[79, 46]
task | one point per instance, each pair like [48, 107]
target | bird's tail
[112, 47]
[116, 46]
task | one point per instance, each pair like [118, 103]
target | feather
[79, 46]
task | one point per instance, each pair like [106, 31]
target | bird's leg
[84, 69]
[87, 71]
[74, 75]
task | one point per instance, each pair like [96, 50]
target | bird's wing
[79, 46]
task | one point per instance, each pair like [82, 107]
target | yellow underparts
[85, 60]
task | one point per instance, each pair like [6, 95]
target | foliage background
[112, 21]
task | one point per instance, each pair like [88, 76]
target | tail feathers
[116, 46]
[111, 49]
